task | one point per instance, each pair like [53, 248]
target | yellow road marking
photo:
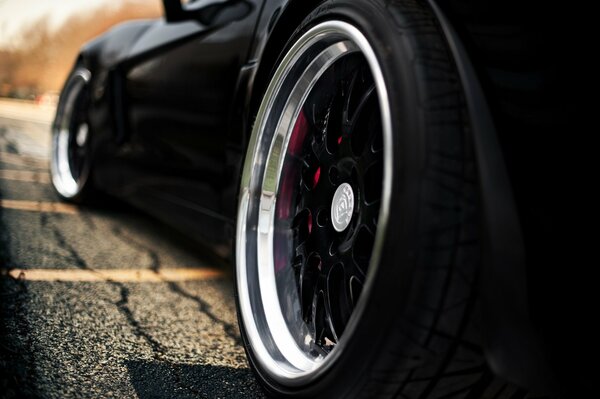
[37, 206]
[117, 275]
[22, 160]
[24, 175]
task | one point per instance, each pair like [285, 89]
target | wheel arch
[281, 22]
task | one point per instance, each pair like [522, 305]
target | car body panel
[150, 126]
[112, 48]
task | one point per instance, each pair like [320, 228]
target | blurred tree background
[40, 60]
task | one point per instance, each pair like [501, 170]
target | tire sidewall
[390, 284]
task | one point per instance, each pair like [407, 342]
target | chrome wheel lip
[260, 331]
[62, 176]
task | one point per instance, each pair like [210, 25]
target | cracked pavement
[109, 338]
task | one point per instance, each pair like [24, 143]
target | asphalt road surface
[104, 302]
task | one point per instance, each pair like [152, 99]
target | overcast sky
[17, 14]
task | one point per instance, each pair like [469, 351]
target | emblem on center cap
[342, 207]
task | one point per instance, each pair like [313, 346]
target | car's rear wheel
[70, 163]
[357, 231]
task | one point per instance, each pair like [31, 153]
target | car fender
[112, 48]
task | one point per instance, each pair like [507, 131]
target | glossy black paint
[172, 104]
[161, 142]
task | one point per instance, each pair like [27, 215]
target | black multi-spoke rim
[314, 200]
[337, 139]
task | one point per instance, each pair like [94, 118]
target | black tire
[71, 139]
[414, 334]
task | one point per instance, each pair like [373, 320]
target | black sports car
[383, 171]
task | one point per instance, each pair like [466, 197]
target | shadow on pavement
[178, 381]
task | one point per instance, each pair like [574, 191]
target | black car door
[179, 84]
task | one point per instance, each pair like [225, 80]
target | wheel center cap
[82, 134]
[342, 207]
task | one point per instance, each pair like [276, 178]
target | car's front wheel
[357, 231]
